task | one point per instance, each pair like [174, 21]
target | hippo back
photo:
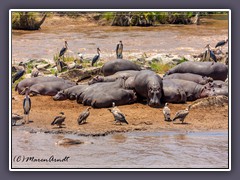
[217, 71]
[114, 66]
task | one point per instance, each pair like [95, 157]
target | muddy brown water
[166, 149]
[122, 150]
[175, 39]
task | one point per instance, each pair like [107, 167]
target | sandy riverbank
[101, 122]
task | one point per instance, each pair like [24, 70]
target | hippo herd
[125, 82]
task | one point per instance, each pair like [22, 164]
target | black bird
[96, 57]
[59, 65]
[63, 50]
[35, 71]
[119, 50]
[58, 120]
[19, 73]
[26, 105]
[221, 43]
[166, 113]
[83, 116]
[181, 115]
[118, 116]
[209, 54]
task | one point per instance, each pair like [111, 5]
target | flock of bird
[210, 54]
[118, 115]
[181, 114]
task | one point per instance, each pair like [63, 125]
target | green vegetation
[27, 20]
[66, 59]
[147, 18]
[160, 67]
[182, 60]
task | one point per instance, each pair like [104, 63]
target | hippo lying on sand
[49, 88]
[220, 87]
[173, 93]
[70, 93]
[148, 84]
[102, 95]
[190, 77]
[114, 77]
[193, 90]
[31, 81]
[217, 71]
[113, 66]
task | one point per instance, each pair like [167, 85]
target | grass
[182, 60]
[160, 67]
[67, 58]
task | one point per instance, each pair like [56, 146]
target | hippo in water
[70, 93]
[173, 93]
[193, 90]
[49, 88]
[190, 77]
[31, 81]
[217, 71]
[148, 84]
[113, 66]
[114, 77]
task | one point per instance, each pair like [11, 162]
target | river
[166, 149]
[174, 39]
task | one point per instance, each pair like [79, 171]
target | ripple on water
[127, 150]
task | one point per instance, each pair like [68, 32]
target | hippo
[94, 88]
[193, 90]
[70, 93]
[105, 99]
[111, 78]
[221, 91]
[101, 95]
[31, 81]
[113, 66]
[129, 83]
[190, 77]
[49, 88]
[218, 84]
[148, 84]
[173, 93]
[215, 70]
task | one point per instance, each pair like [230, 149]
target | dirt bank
[100, 121]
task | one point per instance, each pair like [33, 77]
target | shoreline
[101, 122]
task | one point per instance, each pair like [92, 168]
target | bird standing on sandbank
[58, 120]
[181, 115]
[83, 116]
[167, 113]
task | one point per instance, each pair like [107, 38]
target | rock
[42, 67]
[212, 101]
[77, 75]
[168, 59]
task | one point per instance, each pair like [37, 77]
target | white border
[120, 10]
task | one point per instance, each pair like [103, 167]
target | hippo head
[60, 96]
[154, 96]
[206, 80]
[206, 91]
[96, 80]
